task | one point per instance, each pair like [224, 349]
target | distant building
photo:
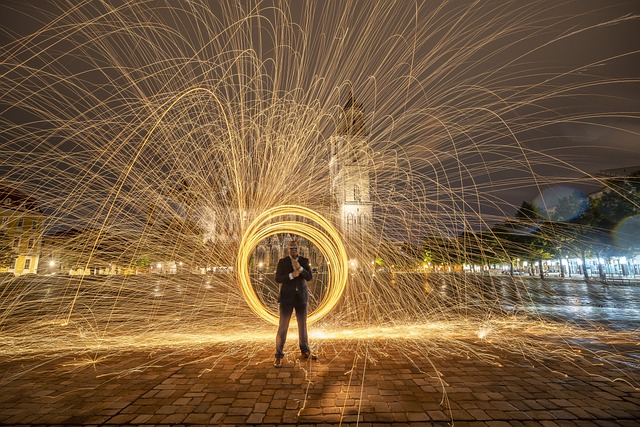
[351, 186]
[622, 173]
[186, 231]
[20, 231]
[349, 171]
[610, 178]
[214, 224]
[67, 251]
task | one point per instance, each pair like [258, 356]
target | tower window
[351, 223]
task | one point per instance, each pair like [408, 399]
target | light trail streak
[166, 141]
[327, 239]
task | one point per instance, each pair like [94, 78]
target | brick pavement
[341, 388]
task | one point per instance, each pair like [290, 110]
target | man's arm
[282, 273]
[306, 272]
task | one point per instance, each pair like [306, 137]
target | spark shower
[158, 131]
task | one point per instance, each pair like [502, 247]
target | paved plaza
[340, 388]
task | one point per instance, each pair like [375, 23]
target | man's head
[293, 249]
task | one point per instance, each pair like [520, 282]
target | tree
[621, 200]
[410, 256]
[603, 225]
[438, 250]
[584, 227]
[525, 237]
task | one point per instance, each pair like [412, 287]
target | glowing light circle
[324, 236]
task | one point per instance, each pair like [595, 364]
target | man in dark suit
[292, 273]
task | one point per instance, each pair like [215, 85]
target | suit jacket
[288, 287]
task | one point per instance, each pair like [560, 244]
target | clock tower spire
[349, 171]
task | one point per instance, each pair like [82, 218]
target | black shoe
[277, 363]
[307, 356]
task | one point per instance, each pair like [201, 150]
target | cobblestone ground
[337, 389]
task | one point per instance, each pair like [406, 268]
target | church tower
[349, 171]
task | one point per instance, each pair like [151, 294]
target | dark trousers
[286, 310]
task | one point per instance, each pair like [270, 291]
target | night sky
[574, 42]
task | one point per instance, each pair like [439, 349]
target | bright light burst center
[324, 236]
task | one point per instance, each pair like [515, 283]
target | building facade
[20, 232]
[349, 170]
